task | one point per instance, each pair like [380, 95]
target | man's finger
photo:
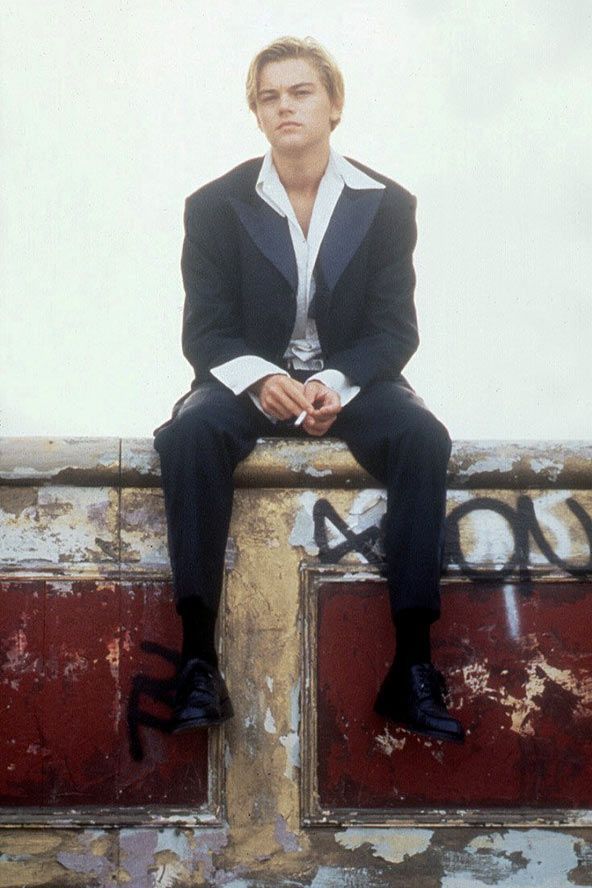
[327, 410]
[313, 426]
[284, 397]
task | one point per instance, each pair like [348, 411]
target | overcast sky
[112, 112]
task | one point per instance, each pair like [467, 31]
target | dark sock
[412, 627]
[199, 624]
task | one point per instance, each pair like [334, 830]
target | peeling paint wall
[92, 511]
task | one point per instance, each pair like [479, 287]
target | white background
[112, 112]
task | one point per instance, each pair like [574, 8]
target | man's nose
[285, 103]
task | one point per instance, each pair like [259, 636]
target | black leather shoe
[201, 699]
[415, 699]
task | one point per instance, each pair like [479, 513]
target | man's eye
[303, 92]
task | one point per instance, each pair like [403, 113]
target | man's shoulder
[394, 191]
[238, 182]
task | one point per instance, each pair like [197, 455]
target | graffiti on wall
[521, 521]
[158, 690]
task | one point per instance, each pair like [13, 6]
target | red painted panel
[87, 679]
[519, 669]
[80, 687]
[155, 767]
[21, 665]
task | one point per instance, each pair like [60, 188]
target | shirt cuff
[339, 382]
[240, 373]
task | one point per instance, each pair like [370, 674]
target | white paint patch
[493, 538]
[512, 613]
[358, 576]
[168, 875]
[302, 534]
[173, 840]
[476, 681]
[269, 723]
[539, 672]
[394, 845]
[291, 743]
[547, 467]
[291, 740]
[388, 743]
[269, 682]
[62, 526]
[336, 877]
[317, 473]
[549, 507]
[367, 509]
[549, 857]
[495, 463]
[65, 589]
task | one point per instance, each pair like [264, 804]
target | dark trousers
[389, 431]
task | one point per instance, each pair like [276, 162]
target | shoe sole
[196, 724]
[401, 722]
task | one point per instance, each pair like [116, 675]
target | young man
[299, 317]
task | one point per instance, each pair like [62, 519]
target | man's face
[294, 110]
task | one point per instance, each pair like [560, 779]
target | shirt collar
[338, 166]
[351, 175]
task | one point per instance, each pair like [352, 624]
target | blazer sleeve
[388, 334]
[212, 327]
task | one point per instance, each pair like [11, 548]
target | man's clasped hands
[284, 398]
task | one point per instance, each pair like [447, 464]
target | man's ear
[335, 115]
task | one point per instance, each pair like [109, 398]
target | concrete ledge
[132, 462]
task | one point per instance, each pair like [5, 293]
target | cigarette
[300, 419]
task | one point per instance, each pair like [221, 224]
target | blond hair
[297, 48]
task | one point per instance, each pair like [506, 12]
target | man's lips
[287, 123]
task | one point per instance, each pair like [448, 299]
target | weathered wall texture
[305, 786]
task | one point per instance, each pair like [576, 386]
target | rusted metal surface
[133, 462]
[519, 670]
[86, 673]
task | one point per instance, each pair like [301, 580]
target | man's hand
[281, 396]
[326, 403]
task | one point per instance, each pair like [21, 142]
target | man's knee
[210, 411]
[428, 433]
[207, 414]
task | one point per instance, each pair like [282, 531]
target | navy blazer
[240, 278]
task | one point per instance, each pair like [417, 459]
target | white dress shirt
[304, 350]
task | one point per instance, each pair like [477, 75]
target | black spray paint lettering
[521, 520]
[366, 543]
[159, 689]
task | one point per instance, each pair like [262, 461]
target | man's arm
[212, 329]
[388, 334]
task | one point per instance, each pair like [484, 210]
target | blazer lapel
[351, 219]
[271, 233]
